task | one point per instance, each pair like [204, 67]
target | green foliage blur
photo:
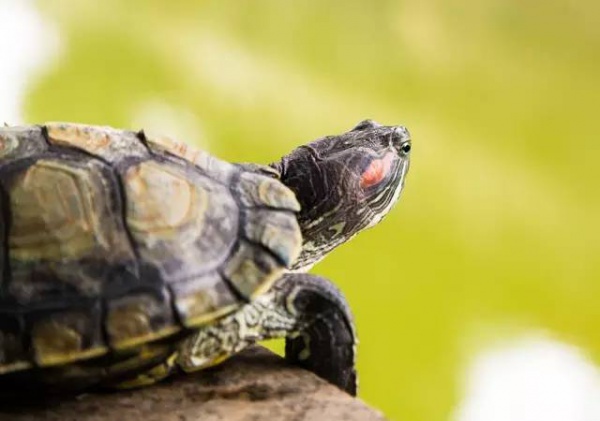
[497, 232]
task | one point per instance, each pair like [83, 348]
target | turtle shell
[110, 239]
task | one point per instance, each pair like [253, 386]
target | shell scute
[260, 190]
[251, 270]
[189, 235]
[203, 298]
[21, 142]
[147, 185]
[66, 336]
[278, 231]
[110, 144]
[61, 211]
[139, 317]
[219, 170]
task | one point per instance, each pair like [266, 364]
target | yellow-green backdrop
[497, 232]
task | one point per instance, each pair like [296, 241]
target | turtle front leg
[309, 311]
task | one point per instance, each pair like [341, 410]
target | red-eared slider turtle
[125, 257]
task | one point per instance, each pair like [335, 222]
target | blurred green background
[496, 234]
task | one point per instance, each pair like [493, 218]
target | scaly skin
[306, 309]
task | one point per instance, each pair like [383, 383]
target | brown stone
[254, 385]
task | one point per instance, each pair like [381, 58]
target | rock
[254, 385]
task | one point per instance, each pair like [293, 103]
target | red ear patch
[377, 170]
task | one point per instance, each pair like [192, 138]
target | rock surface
[255, 385]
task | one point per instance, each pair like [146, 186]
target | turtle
[126, 257]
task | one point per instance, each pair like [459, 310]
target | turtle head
[345, 183]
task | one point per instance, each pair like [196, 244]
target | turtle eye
[405, 147]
